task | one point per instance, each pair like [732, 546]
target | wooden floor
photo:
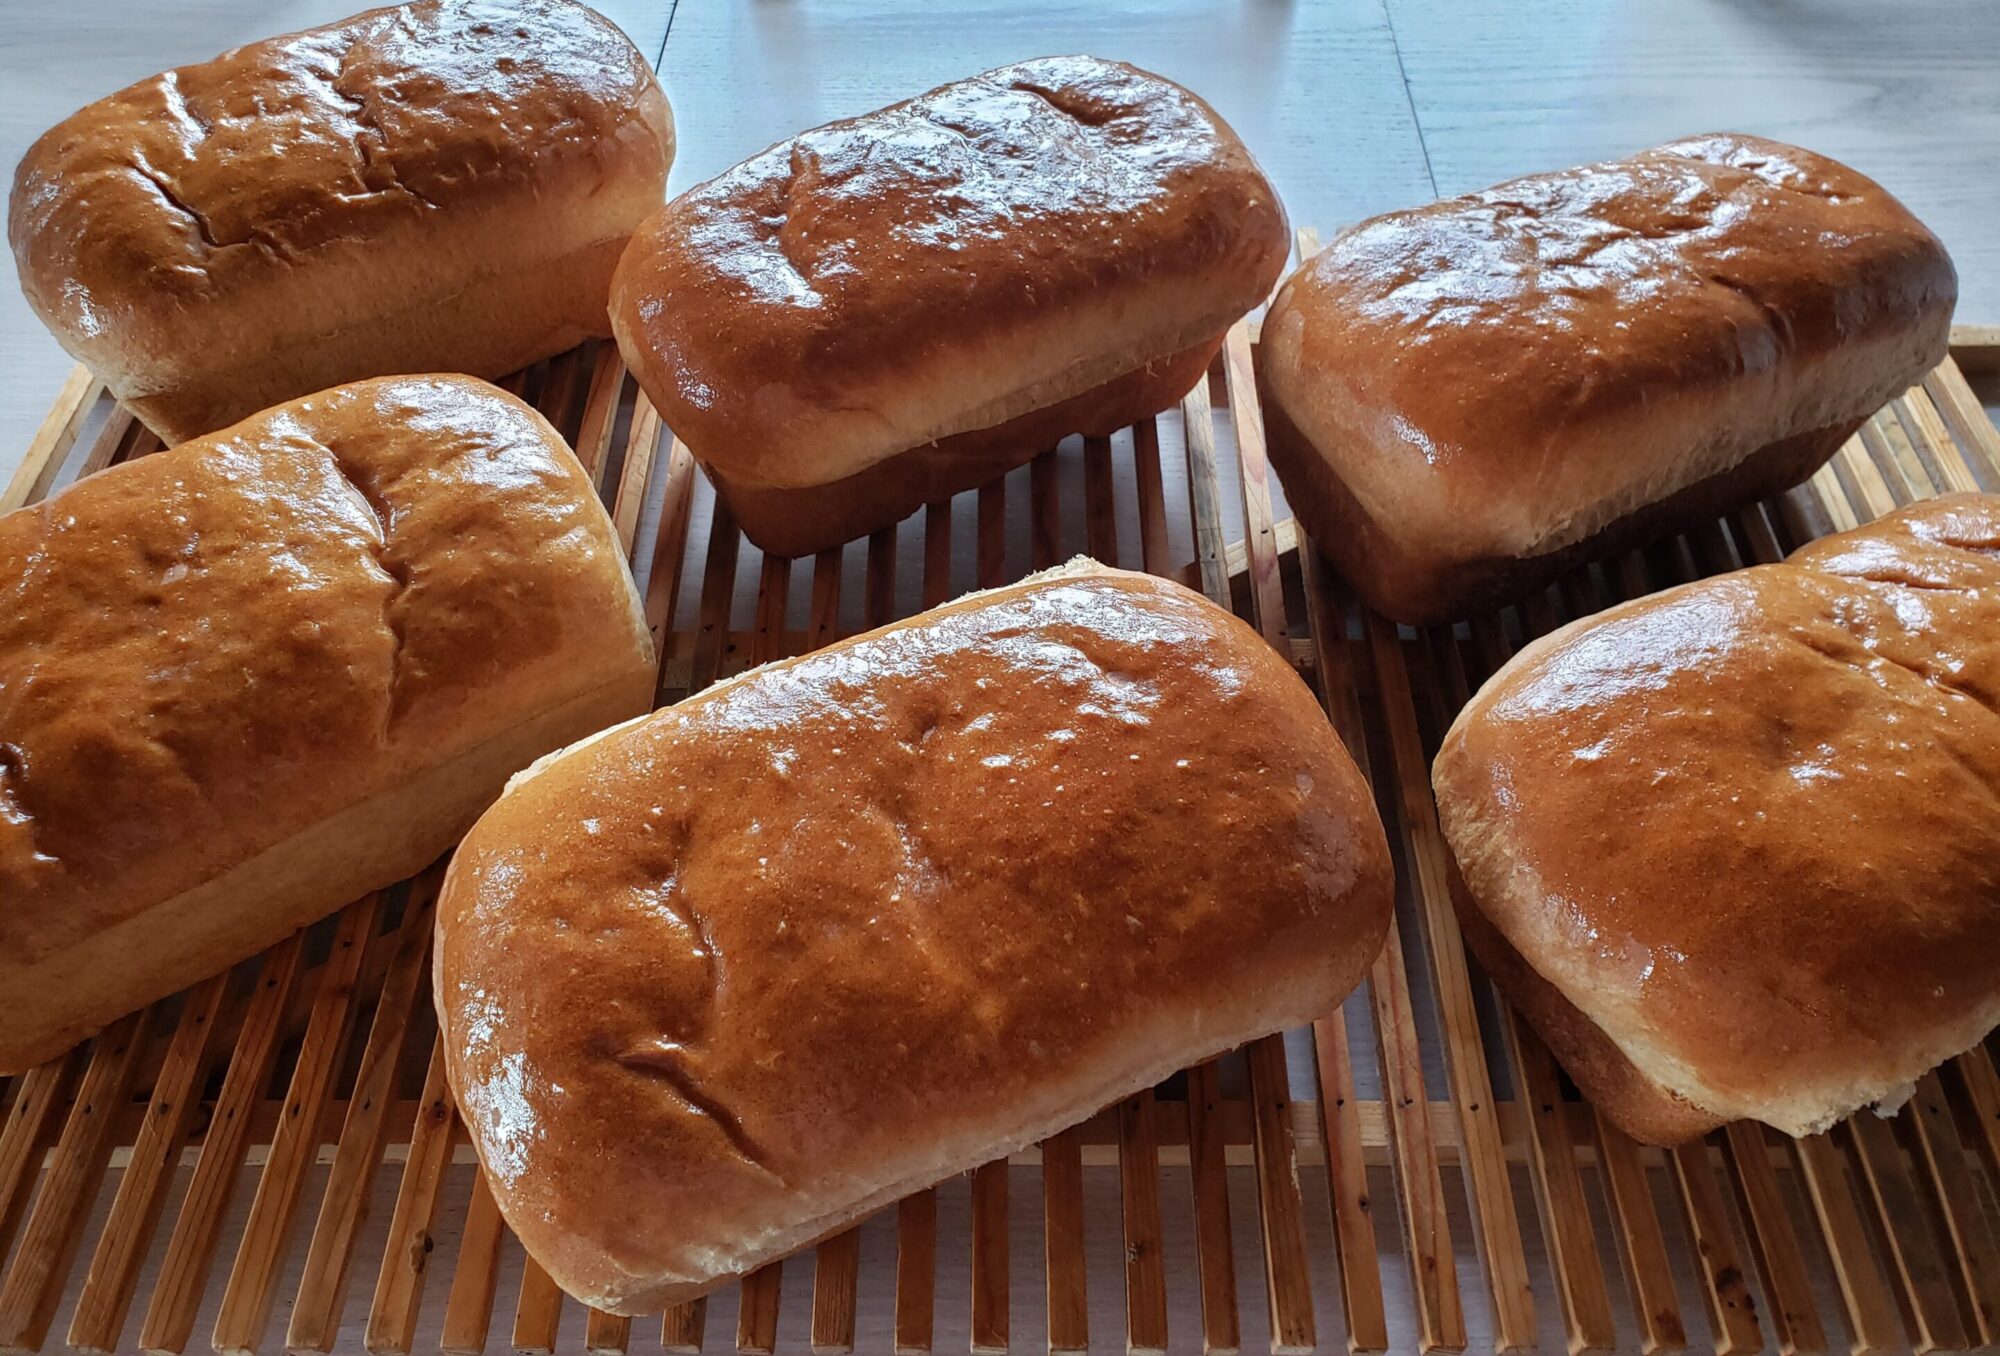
[1355, 106]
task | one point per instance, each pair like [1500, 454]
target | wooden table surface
[1354, 106]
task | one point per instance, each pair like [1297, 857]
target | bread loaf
[245, 681]
[888, 310]
[1465, 399]
[723, 980]
[1734, 849]
[440, 187]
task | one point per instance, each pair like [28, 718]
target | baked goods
[887, 310]
[720, 981]
[440, 187]
[248, 680]
[1467, 398]
[1734, 849]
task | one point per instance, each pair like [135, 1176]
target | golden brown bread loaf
[888, 310]
[1734, 849]
[440, 187]
[245, 681]
[1466, 398]
[724, 979]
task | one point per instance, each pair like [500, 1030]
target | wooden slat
[30, 1122]
[600, 411]
[406, 1251]
[1864, 1293]
[990, 1281]
[52, 441]
[1976, 348]
[1732, 1312]
[114, 439]
[718, 589]
[468, 1309]
[1062, 1235]
[1472, 1089]
[937, 552]
[1930, 1308]
[1875, 497]
[1204, 503]
[183, 1274]
[757, 1310]
[682, 1326]
[1941, 1154]
[1967, 420]
[663, 572]
[49, 1241]
[1145, 1244]
[1287, 1268]
[991, 562]
[142, 1186]
[916, 1270]
[1215, 1251]
[878, 586]
[1566, 1227]
[610, 1334]
[1100, 504]
[1267, 590]
[1641, 1245]
[1788, 1298]
[642, 444]
[1427, 1231]
[253, 1280]
[836, 1270]
[538, 1310]
[1355, 1243]
[1928, 432]
[1152, 495]
[344, 1207]
[1976, 1079]
[1044, 513]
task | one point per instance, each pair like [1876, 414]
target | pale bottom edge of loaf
[642, 1301]
[60, 1000]
[799, 521]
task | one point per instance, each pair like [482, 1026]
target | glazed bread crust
[727, 978]
[441, 186]
[946, 264]
[1469, 396]
[1735, 847]
[245, 681]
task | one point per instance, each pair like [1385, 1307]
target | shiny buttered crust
[442, 186]
[993, 247]
[721, 981]
[247, 680]
[1490, 379]
[1747, 831]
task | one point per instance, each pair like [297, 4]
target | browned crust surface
[723, 979]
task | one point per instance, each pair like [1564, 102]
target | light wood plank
[47, 449]
[1215, 1251]
[34, 1282]
[757, 1310]
[916, 1270]
[1062, 1235]
[1924, 1287]
[1641, 1245]
[836, 1268]
[990, 1279]
[1145, 1242]
[406, 1252]
[538, 1310]
[253, 1280]
[113, 1277]
[182, 1278]
[315, 1320]
[1732, 1311]
[1945, 1166]
[468, 1308]
[1795, 1322]
[1864, 1293]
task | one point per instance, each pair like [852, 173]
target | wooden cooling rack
[310, 1077]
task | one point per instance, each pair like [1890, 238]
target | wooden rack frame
[122, 1164]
